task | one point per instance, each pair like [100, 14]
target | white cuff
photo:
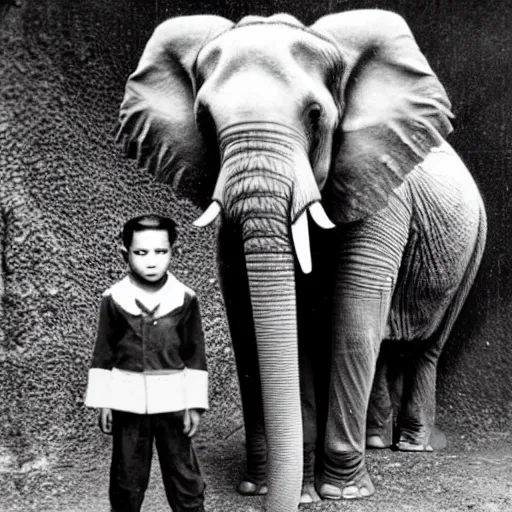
[196, 389]
[98, 391]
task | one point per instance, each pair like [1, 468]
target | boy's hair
[146, 222]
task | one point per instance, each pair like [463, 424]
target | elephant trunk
[257, 192]
[265, 188]
[259, 204]
[272, 289]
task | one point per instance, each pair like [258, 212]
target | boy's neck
[147, 286]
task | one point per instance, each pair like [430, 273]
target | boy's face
[149, 254]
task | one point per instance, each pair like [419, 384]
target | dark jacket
[137, 346]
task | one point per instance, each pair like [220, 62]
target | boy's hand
[191, 420]
[105, 420]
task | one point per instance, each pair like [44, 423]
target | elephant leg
[386, 397]
[354, 357]
[379, 423]
[416, 421]
[367, 264]
[314, 315]
[314, 367]
[307, 379]
[309, 421]
[235, 291]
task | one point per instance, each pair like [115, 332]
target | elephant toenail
[350, 492]
[306, 498]
[250, 489]
[329, 492]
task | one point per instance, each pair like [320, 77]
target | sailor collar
[170, 297]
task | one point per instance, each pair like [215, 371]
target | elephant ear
[394, 110]
[157, 120]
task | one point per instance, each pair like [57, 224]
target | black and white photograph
[256, 256]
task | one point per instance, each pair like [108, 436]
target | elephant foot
[361, 487]
[309, 494]
[423, 442]
[407, 446]
[247, 488]
[375, 441]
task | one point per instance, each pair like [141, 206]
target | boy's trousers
[133, 436]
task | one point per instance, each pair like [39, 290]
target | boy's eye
[140, 253]
[162, 251]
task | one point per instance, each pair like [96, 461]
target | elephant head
[266, 119]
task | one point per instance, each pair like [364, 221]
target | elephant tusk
[300, 235]
[209, 215]
[320, 217]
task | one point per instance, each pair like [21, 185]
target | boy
[148, 372]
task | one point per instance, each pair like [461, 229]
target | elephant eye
[204, 120]
[314, 114]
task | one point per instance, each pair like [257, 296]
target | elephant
[265, 124]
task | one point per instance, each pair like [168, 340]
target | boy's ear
[124, 253]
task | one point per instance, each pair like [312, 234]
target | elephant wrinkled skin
[269, 120]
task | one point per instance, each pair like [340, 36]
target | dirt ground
[469, 475]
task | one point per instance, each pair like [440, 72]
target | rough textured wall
[65, 193]
[65, 190]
